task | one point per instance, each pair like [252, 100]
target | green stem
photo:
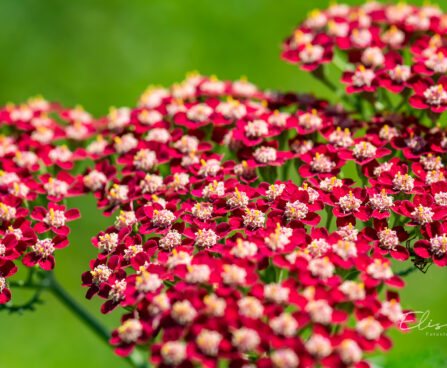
[386, 98]
[340, 64]
[434, 117]
[66, 299]
[136, 359]
[23, 285]
[285, 170]
[296, 164]
[269, 173]
[407, 271]
[405, 93]
[362, 177]
[321, 76]
[329, 218]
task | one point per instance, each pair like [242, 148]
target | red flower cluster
[251, 227]
[217, 255]
[371, 45]
[35, 175]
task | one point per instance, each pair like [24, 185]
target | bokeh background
[105, 53]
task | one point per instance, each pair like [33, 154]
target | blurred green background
[104, 53]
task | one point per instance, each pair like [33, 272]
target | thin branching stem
[136, 359]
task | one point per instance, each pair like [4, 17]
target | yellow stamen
[238, 194]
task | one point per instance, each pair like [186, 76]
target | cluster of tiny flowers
[39, 137]
[239, 232]
[369, 44]
[216, 254]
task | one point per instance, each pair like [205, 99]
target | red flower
[101, 270]
[423, 210]
[395, 76]
[361, 80]
[436, 63]
[63, 186]
[42, 252]
[54, 219]
[363, 152]
[350, 202]
[307, 49]
[296, 210]
[429, 95]
[265, 155]
[131, 331]
[378, 270]
[436, 245]
[388, 240]
[320, 161]
[207, 236]
[157, 218]
[7, 269]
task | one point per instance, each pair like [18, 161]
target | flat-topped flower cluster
[217, 255]
[249, 228]
[397, 47]
[213, 254]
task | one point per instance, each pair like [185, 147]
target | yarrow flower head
[322, 164]
[242, 217]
